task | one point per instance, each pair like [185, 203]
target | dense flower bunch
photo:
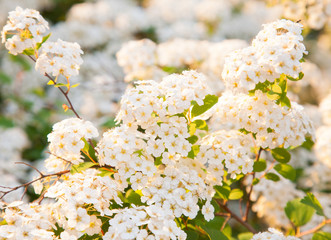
[66, 141]
[24, 29]
[60, 58]
[164, 171]
[273, 234]
[276, 50]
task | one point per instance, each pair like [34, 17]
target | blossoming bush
[179, 157]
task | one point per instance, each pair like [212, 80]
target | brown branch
[225, 222]
[315, 229]
[237, 218]
[41, 174]
[65, 94]
[25, 185]
[257, 158]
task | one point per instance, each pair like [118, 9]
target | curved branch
[315, 229]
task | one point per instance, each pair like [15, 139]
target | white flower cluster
[28, 221]
[276, 50]
[231, 147]
[66, 141]
[60, 58]
[273, 234]
[325, 109]
[274, 125]
[24, 29]
[78, 191]
[143, 223]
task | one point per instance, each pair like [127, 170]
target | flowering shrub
[178, 157]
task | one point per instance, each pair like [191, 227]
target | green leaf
[322, 236]
[6, 122]
[192, 128]
[133, 197]
[260, 165]
[312, 201]
[213, 228]
[236, 194]
[245, 236]
[287, 171]
[298, 213]
[193, 139]
[194, 151]
[256, 181]
[201, 124]
[215, 234]
[222, 192]
[208, 102]
[192, 235]
[281, 155]
[4, 78]
[285, 101]
[272, 177]
[296, 79]
[28, 51]
[43, 40]
[308, 144]
[104, 172]
[81, 167]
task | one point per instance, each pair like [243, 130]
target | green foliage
[28, 51]
[213, 227]
[133, 198]
[171, 70]
[296, 79]
[312, 201]
[193, 139]
[43, 41]
[194, 151]
[236, 194]
[259, 166]
[287, 171]
[245, 236]
[222, 192]
[192, 235]
[272, 177]
[322, 236]
[208, 102]
[281, 155]
[81, 167]
[298, 213]
[308, 144]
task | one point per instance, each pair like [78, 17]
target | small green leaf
[75, 85]
[192, 235]
[133, 197]
[312, 201]
[222, 192]
[281, 155]
[43, 40]
[193, 139]
[192, 128]
[308, 144]
[28, 51]
[245, 236]
[260, 165]
[272, 177]
[208, 102]
[256, 181]
[285, 101]
[194, 151]
[287, 171]
[298, 213]
[81, 167]
[236, 194]
[322, 236]
[201, 124]
[212, 228]
[296, 79]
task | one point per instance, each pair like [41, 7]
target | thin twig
[41, 174]
[237, 218]
[315, 229]
[225, 222]
[25, 185]
[257, 158]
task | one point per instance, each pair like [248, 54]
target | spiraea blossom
[60, 58]
[276, 50]
[273, 234]
[24, 29]
[66, 141]
[274, 125]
